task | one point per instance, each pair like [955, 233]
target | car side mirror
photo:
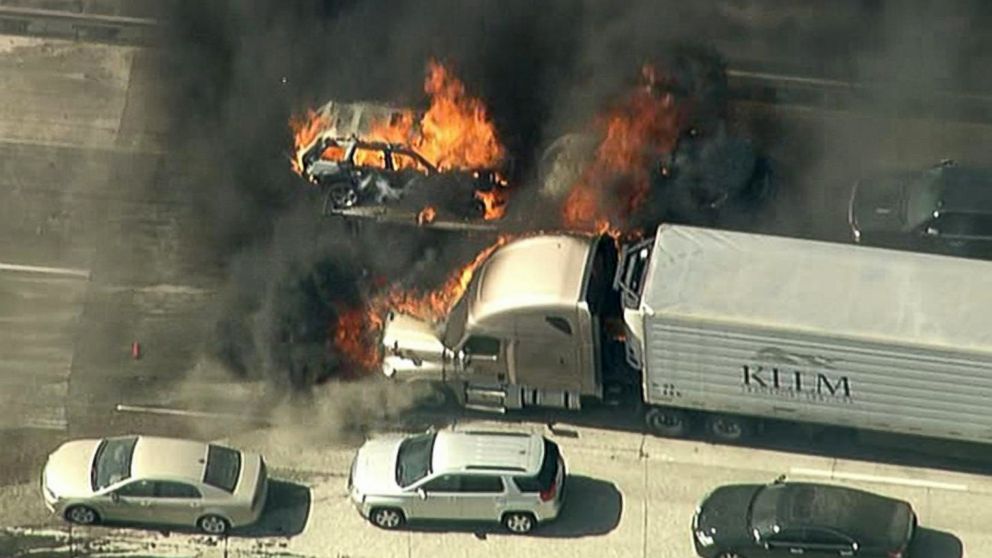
[422, 493]
[115, 497]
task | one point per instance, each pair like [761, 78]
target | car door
[787, 542]
[821, 542]
[959, 233]
[132, 502]
[437, 499]
[481, 497]
[177, 503]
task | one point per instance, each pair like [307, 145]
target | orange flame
[354, 339]
[455, 133]
[358, 328]
[639, 130]
[305, 129]
[426, 215]
[433, 305]
[493, 203]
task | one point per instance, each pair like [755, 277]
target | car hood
[375, 467]
[879, 205]
[67, 472]
[412, 349]
[723, 514]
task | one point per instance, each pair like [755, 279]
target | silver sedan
[159, 481]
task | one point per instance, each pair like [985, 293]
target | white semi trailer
[723, 328]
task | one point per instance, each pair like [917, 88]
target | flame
[354, 339]
[634, 135]
[426, 215]
[432, 305]
[305, 129]
[493, 203]
[358, 327]
[455, 133]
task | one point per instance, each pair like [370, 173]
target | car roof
[851, 511]
[473, 451]
[168, 458]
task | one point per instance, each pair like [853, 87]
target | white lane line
[123, 408]
[67, 271]
[920, 483]
[124, 149]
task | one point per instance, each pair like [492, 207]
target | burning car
[444, 162]
[353, 172]
[701, 180]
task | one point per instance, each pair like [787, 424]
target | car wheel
[729, 428]
[213, 524]
[343, 196]
[667, 422]
[81, 515]
[387, 518]
[519, 522]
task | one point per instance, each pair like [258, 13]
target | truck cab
[528, 330]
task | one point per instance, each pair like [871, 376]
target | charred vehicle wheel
[342, 195]
[666, 421]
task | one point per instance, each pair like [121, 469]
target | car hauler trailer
[724, 327]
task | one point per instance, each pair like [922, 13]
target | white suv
[513, 478]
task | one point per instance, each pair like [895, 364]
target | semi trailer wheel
[729, 428]
[666, 421]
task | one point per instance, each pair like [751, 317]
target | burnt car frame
[367, 175]
[687, 186]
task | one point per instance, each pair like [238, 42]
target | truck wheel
[665, 421]
[729, 428]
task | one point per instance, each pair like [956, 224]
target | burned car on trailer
[356, 173]
[708, 178]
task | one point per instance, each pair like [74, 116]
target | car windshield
[223, 468]
[923, 197]
[454, 326]
[112, 462]
[414, 460]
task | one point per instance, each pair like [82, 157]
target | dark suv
[946, 209]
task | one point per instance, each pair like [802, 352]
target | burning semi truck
[718, 328]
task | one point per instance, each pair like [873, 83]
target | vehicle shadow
[930, 543]
[575, 520]
[286, 511]
[592, 508]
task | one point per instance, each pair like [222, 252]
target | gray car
[512, 478]
[159, 481]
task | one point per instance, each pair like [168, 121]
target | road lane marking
[68, 271]
[124, 408]
[920, 483]
[118, 149]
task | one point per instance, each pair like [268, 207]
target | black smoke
[237, 71]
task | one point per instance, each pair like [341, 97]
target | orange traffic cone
[135, 350]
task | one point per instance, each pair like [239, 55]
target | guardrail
[78, 26]
[884, 98]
